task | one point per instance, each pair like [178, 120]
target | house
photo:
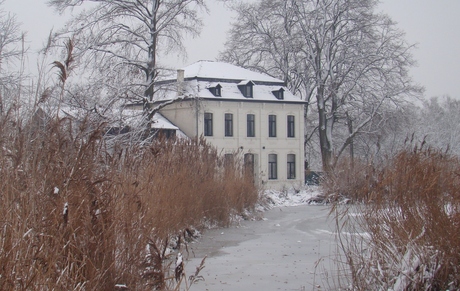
[240, 112]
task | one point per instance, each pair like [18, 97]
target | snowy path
[277, 253]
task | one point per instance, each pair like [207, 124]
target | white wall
[183, 115]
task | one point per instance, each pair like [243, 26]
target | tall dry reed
[401, 232]
[77, 214]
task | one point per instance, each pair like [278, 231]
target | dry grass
[402, 232]
[77, 215]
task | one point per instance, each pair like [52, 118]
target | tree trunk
[151, 63]
[325, 145]
[350, 131]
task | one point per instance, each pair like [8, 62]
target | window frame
[247, 89]
[208, 124]
[291, 172]
[216, 91]
[279, 94]
[251, 125]
[272, 125]
[291, 126]
[272, 166]
[228, 124]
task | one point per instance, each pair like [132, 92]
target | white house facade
[243, 113]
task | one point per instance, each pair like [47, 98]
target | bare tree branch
[342, 54]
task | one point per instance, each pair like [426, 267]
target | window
[291, 166]
[228, 124]
[216, 91]
[290, 126]
[246, 89]
[228, 160]
[279, 94]
[207, 124]
[251, 132]
[272, 125]
[272, 167]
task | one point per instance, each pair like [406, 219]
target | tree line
[348, 61]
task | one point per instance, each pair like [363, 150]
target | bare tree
[120, 41]
[340, 55]
[439, 124]
[11, 51]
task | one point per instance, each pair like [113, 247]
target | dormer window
[216, 91]
[246, 88]
[279, 94]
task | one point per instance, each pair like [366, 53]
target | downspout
[197, 115]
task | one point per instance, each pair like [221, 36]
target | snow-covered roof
[135, 117]
[220, 70]
[202, 75]
[245, 82]
[231, 91]
[160, 122]
[129, 117]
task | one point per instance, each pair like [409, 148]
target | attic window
[246, 89]
[279, 94]
[216, 91]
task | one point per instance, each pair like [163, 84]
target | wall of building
[183, 115]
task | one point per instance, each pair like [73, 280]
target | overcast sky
[432, 24]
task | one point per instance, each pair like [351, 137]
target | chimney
[180, 82]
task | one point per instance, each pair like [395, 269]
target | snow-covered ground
[288, 249]
[292, 197]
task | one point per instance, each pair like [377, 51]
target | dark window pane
[208, 124]
[228, 124]
[272, 167]
[251, 132]
[290, 126]
[272, 125]
[248, 91]
[291, 166]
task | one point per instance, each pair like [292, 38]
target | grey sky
[431, 24]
